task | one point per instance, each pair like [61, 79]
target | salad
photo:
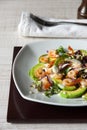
[61, 71]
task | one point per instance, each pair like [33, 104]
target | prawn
[70, 82]
[52, 53]
[84, 82]
[67, 82]
[72, 74]
[70, 49]
[40, 73]
[45, 83]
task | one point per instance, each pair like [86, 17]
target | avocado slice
[85, 96]
[58, 82]
[69, 88]
[33, 70]
[84, 52]
[73, 94]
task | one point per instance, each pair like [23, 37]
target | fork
[50, 23]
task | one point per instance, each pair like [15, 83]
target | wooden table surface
[10, 11]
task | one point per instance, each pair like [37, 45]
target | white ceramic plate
[27, 57]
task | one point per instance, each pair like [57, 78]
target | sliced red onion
[64, 66]
[49, 79]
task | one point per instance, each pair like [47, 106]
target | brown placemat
[21, 110]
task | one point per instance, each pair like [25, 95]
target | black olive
[84, 75]
[78, 55]
[80, 73]
[78, 52]
[84, 60]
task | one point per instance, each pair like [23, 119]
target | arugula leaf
[54, 90]
[60, 50]
[61, 59]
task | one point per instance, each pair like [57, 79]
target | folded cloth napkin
[29, 27]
